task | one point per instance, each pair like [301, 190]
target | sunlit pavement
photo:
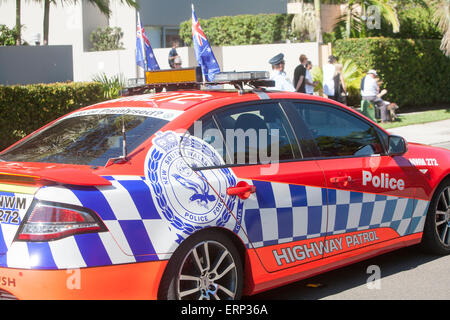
[433, 133]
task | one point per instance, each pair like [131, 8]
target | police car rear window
[90, 139]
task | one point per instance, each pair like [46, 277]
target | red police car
[210, 194]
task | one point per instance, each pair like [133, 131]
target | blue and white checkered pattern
[136, 231]
[279, 213]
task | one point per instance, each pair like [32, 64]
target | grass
[407, 119]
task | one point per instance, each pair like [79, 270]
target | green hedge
[26, 108]
[415, 72]
[241, 29]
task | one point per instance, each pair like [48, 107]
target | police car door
[275, 198]
[370, 194]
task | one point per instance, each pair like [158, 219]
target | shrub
[112, 86]
[241, 29]
[8, 37]
[415, 72]
[23, 109]
[104, 39]
[416, 22]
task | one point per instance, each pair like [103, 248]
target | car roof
[187, 99]
[174, 100]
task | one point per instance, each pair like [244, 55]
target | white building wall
[66, 28]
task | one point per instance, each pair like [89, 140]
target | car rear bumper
[119, 282]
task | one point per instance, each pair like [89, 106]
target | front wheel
[206, 266]
[436, 237]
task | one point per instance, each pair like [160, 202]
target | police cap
[279, 58]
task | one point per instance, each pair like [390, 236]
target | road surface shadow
[355, 275]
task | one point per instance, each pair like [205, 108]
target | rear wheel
[436, 237]
[206, 266]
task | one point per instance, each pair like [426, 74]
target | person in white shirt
[370, 91]
[328, 77]
[278, 75]
[309, 84]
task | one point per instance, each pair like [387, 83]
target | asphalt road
[406, 274]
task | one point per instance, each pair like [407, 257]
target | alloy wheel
[208, 272]
[443, 216]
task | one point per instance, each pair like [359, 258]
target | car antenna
[124, 140]
[124, 157]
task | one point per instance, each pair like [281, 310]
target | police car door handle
[345, 180]
[242, 189]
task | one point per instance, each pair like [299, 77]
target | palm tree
[355, 21]
[442, 17]
[102, 5]
[18, 24]
[317, 10]
[309, 21]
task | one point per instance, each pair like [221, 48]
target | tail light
[51, 221]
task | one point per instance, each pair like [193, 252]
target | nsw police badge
[189, 199]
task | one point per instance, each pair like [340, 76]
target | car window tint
[85, 140]
[206, 129]
[257, 134]
[337, 132]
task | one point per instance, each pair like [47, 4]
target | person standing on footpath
[340, 89]
[309, 83]
[329, 71]
[300, 75]
[278, 74]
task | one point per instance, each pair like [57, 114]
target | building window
[170, 34]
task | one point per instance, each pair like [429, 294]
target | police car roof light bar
[254, 79]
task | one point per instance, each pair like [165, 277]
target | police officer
[278, 74]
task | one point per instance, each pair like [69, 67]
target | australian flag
[203, 53]
[144, 53]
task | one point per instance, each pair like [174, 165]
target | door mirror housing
[397, 146]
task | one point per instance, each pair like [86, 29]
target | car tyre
[436, 235]
[206, 266]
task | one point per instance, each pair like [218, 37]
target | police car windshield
[85, 140]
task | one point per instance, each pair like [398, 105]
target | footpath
[432, 133]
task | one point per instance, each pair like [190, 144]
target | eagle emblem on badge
[188, 198]
[201, 190]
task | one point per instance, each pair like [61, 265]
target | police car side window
[206, 129]
[338, 133]
[257, 134]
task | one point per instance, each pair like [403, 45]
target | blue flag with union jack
[144, 52]
[203, 52]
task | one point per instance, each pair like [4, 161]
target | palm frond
[388, 11]
[442, 17]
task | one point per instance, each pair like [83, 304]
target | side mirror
[397, 146]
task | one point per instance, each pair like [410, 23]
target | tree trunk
[318, 21]
[348, 25]
[18, 24]
[363, 33]
[46, 20]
